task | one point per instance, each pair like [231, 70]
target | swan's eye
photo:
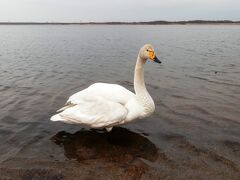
[147, 50]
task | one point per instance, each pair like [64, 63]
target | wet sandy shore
[121, 154]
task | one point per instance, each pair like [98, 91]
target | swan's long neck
[139, 83]
[142, 94]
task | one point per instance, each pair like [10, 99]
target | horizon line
[197, 21]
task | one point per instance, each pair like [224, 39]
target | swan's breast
[148, 105]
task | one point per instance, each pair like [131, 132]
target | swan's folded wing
[112, 92]
[93, 111]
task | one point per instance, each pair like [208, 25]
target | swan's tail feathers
[66, 107]
[56, 117]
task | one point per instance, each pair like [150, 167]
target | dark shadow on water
[120, 145]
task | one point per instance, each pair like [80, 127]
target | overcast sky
[117, 10]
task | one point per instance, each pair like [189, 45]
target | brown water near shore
[193, 134]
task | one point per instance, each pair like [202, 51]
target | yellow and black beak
[153, 57]
[157, 60]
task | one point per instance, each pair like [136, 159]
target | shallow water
[194, 132]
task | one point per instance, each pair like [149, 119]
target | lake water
[194, 132]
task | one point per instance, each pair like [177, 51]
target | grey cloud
[117, 10]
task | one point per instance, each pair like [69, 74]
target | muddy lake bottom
[194, 132]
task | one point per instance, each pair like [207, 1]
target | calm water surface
[194, 132]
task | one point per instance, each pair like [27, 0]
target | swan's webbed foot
[109, 129]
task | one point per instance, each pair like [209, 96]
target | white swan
[103, 105]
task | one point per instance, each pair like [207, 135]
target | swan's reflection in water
[120, 145]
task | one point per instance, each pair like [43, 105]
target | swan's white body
[103, 105]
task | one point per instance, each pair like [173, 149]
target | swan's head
[147, 52]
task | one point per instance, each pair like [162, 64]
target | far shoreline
[193, 22]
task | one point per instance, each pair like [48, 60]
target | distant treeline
[125, 23]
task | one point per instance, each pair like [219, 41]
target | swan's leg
[109, 129]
